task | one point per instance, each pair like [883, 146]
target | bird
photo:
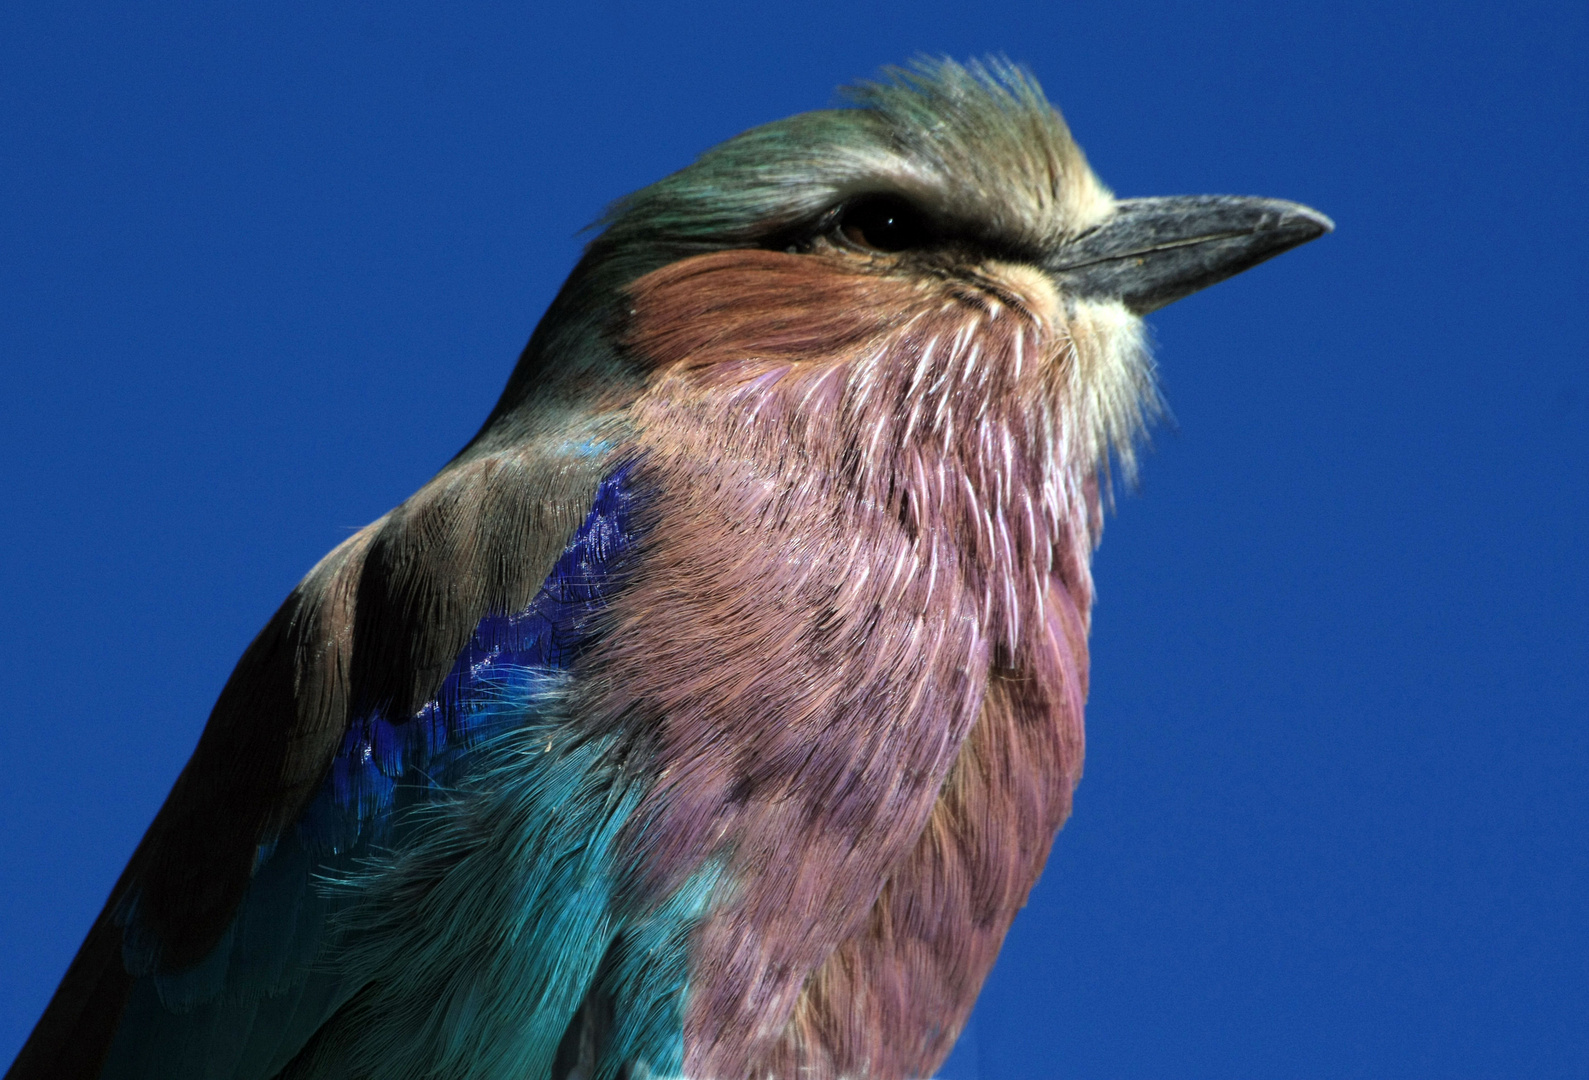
[712, 713]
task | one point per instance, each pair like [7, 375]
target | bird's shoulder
[297, 768]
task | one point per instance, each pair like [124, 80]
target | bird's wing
[354, 701]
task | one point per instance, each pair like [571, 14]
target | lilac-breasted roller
[711, 714]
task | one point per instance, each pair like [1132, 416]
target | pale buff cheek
[1116, 384]
[1111, 353]
[1035, 288]
[1109, 389]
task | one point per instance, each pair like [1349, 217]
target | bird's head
[961, 176]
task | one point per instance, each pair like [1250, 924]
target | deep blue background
[263, 271]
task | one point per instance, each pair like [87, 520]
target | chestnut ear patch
[731, 305]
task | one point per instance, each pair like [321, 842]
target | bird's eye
[884, 223]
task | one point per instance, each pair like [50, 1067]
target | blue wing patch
[251, 1005]
[421, 751]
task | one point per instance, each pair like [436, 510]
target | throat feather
[880, 506]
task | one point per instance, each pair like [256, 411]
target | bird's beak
[1152, 252]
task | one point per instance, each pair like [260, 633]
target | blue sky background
[263, 269]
